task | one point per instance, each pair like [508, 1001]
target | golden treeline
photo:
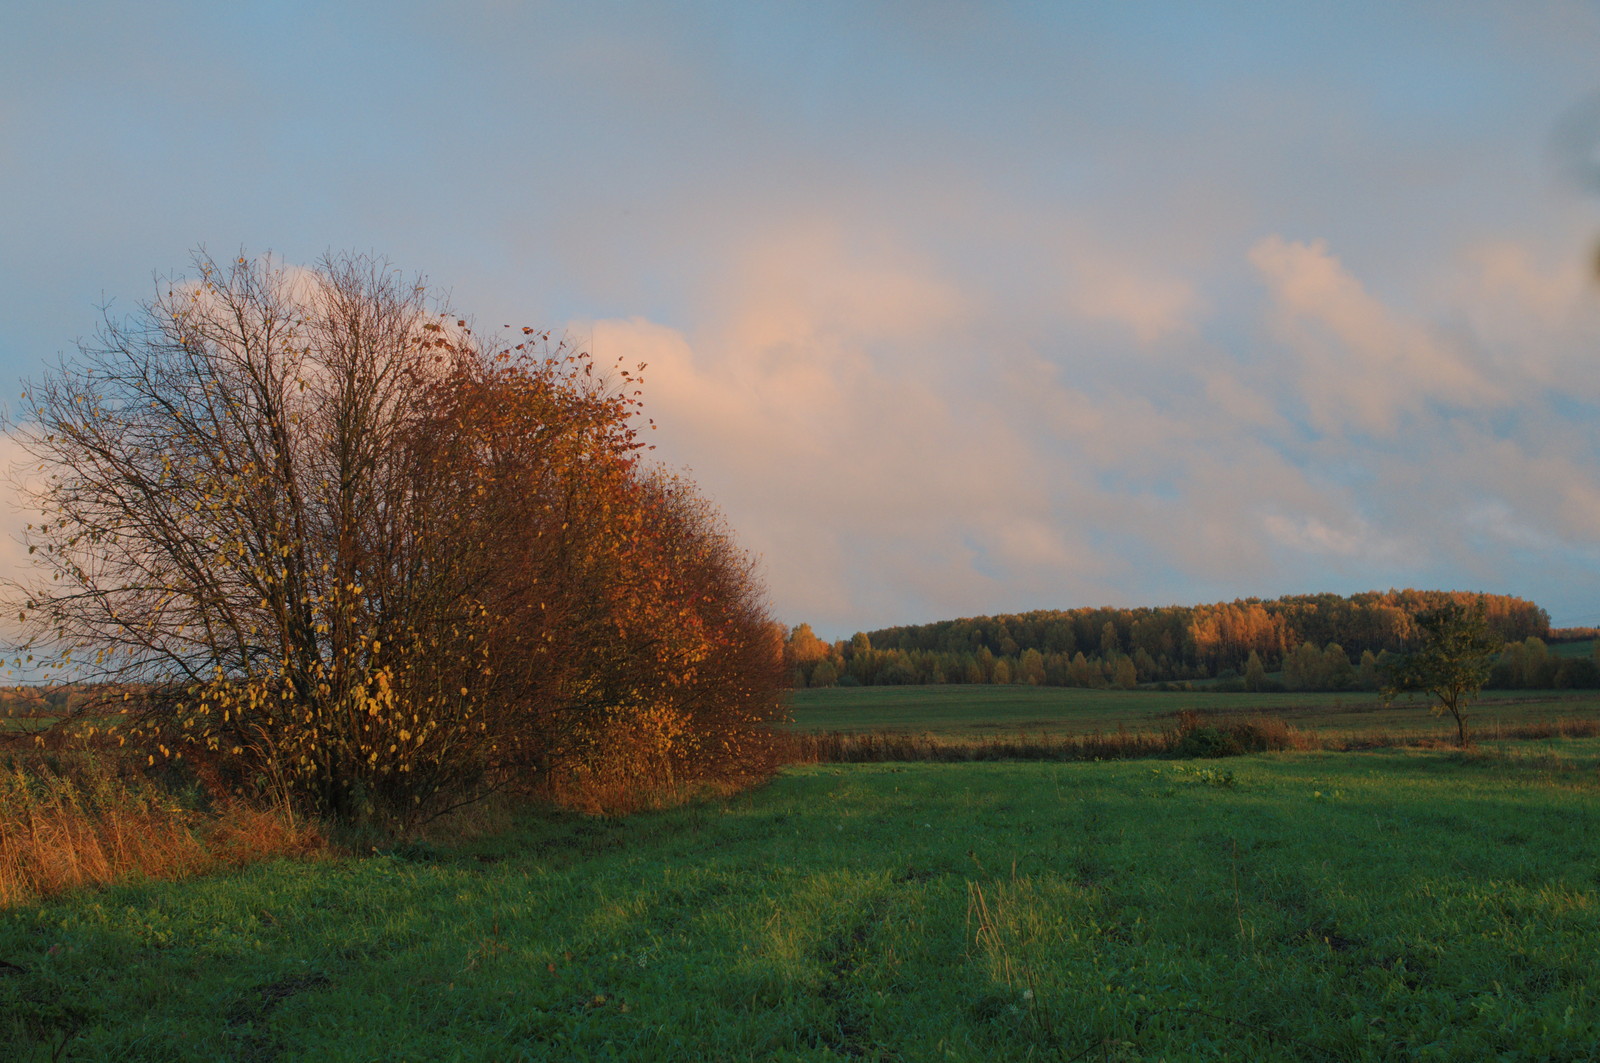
[1114, 646]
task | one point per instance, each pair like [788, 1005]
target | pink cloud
[1362, 366]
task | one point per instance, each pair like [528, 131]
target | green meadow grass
[962, 710]
[1308, 906]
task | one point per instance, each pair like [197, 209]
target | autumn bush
[318, 536]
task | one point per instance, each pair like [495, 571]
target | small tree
[1081, 673]
[1337, 671]
[1032, 667]
[1367, 676]
[1255, 673]
[802, 649]
[1452, 664]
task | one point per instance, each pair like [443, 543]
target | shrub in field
[1197, 737]
[1452, 663]
[328, 539]
[1208, 742]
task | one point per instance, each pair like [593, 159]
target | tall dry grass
[644, 762]
[635, 781]
[1196, 735]
[620, 796]
[1193, 736]
[1492, 731]
[78, 819]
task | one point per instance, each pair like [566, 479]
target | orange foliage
[634, 651]
[330, 542]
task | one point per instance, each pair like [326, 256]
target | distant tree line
[1301, 642]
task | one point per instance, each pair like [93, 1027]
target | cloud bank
[952, 308]
[897, 448]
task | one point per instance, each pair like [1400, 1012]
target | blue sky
[953, 308]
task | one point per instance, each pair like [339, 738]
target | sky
[953, 308]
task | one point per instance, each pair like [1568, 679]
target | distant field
[979, 710]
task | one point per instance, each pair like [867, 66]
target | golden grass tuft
[624, 769]
[74, 820]
[617, 793]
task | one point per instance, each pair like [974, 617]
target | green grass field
[986, 710]
[1309, 906]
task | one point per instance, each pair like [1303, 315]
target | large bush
[328, 539]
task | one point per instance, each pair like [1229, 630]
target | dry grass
[1566, 727]
[634, 772]
[1196, 735]
[77, 819]
[621, 792]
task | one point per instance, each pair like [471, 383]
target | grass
[1193, 735]
[69, 820]
[962, 710]
[1291, 906]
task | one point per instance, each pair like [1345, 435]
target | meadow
[975, 711]
[1415, 904]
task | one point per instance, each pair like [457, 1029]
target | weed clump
[70, 819]
[1208, 742]
[1198, 738]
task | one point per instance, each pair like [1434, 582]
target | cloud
[822, 403]
[857, 482]
[1150, 308]
[901, 440]
[1532, 313]
[1362, 367]
[818, 278]
[901, 437]
[1350, 538]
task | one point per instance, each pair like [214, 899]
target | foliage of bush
[321, 536]
[1208, 742]
[1453, 661]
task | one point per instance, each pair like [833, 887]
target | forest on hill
[1298, 642]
